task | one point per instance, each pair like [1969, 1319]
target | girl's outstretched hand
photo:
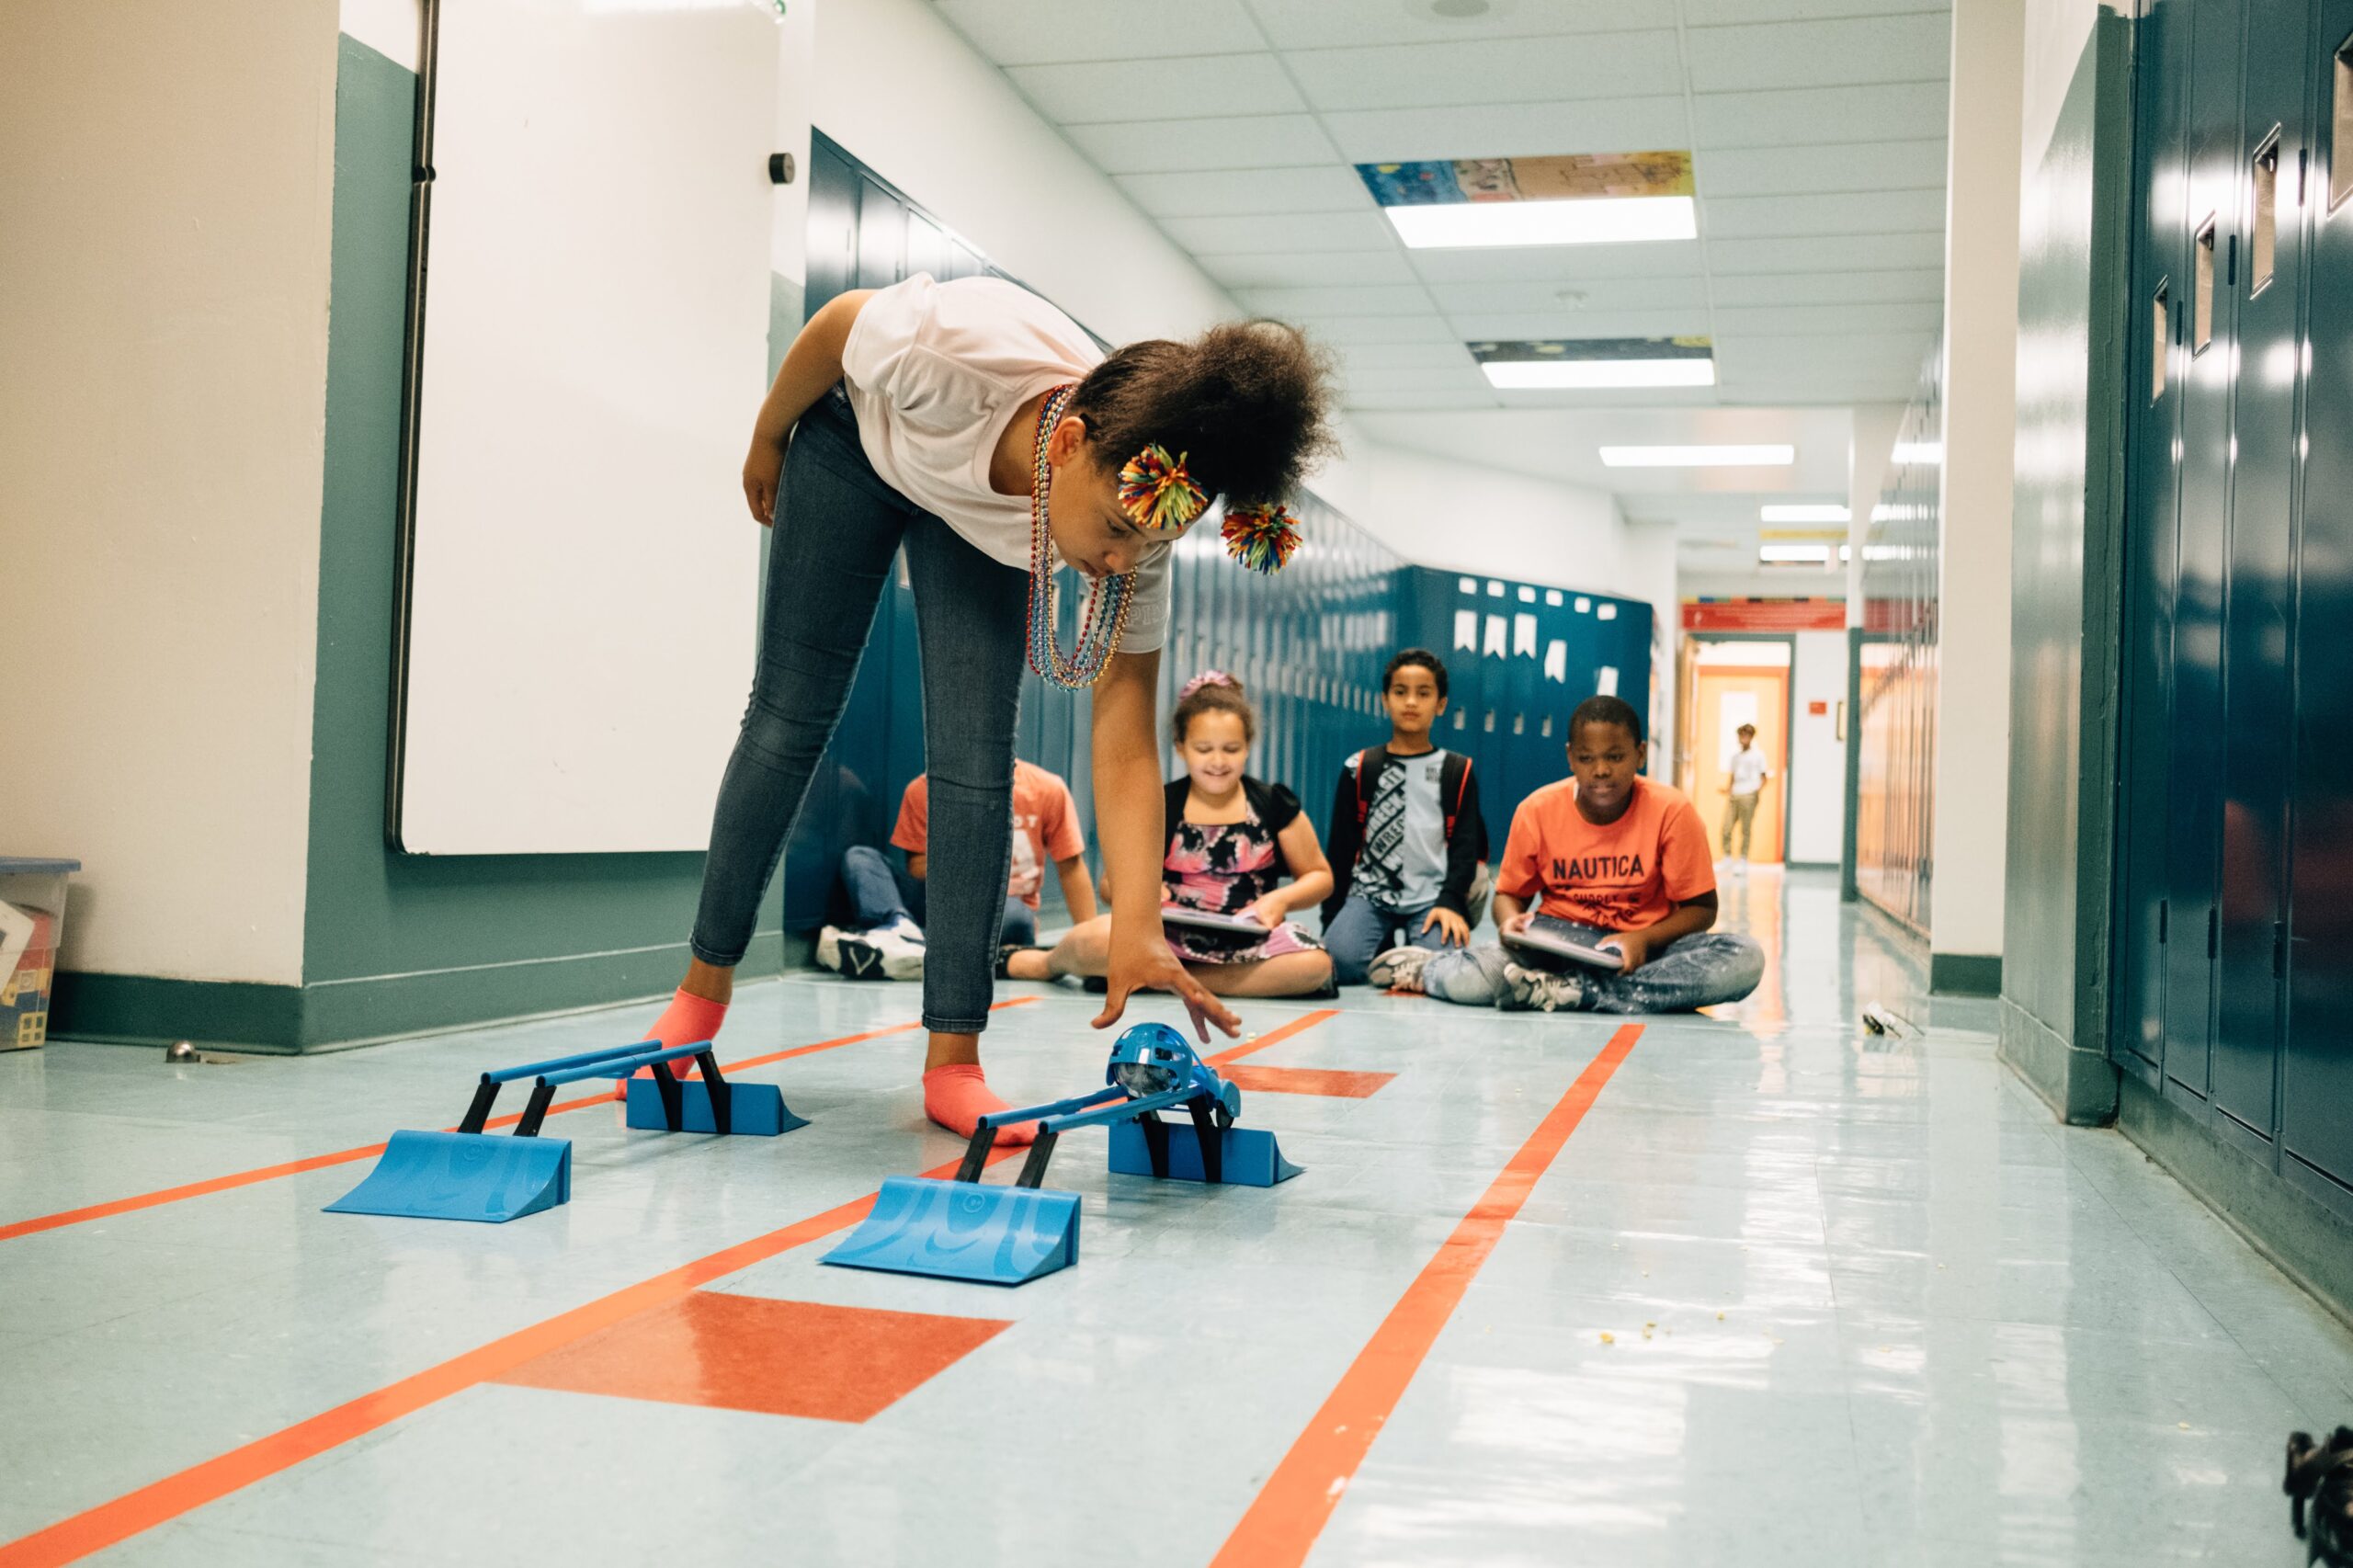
[1145, 962]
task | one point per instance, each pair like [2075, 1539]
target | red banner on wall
[1764, 615]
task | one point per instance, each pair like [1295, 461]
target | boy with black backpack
[1407, 838]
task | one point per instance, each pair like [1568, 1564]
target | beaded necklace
[1105, 618]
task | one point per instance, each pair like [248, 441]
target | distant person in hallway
[1605, 858]
[1743, 783]
[1407, 837]
[1231, 840]
[981, 431]
[885, 940]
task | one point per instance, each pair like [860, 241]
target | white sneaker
[896, 956]
[829, 948]
[905, 929]
[1540, 990]
[1400, 969]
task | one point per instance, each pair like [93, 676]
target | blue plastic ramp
[756, 1109]
[1251, 1155]
[463, 1175]
[960, 1230]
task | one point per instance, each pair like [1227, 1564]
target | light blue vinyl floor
[1790, 1293]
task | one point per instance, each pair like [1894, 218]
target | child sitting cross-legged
[1606, 859]
[1232, 839]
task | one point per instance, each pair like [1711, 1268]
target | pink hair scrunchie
[1207, 677]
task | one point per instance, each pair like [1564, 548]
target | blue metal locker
[2317, 1120]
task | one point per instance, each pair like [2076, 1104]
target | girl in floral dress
[1231, 840]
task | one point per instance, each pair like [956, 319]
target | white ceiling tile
[1218, 193]
[1503, 130]
[1804, 171]
[1601, 296]
[1266, 269]
[1235, 141]
[1759, 354]
[1418, 399]
[1916, 48]
[1461, 377]
[1560, 264]
[1347, 331]
[1803, 116]
[1366, 231]
[1563, 322]
[1729, 12]
[1849, 212]
[1522, 70]
[1024, 32]
[1842, 320]
[1917, 284]
[1830, 253]
[1371, 300]
[1196, 85]
[1307, 24]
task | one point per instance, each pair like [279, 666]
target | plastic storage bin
[32, 928]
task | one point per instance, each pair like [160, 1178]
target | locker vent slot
[2201, 305]
[2340, 129]
[2263, 245]
[2161, 343]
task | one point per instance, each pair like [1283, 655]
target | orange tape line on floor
[109, 1523]
[344, 1156]
[1292, 1508]
[1272, 1036]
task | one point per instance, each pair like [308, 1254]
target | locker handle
[2278, 949]
[2231, 262]
[2213, 930]
[2165, 912]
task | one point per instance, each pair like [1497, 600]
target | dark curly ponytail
[1248, 404]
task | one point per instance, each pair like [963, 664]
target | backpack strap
[1364, 762]
[1454, 775]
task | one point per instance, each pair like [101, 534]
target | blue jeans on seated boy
[1699, 971]
[1362, 929]
[883, 896]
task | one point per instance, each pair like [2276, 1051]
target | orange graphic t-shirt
[1622, 876]
[1045, 826]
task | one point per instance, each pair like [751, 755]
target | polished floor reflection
[1784, 1290]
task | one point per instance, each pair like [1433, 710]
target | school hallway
[1759, 1288]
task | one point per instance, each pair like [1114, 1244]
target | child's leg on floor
[1469, 977]
[1286, 975]
[873, 891]
[1356, 934]
[1690, 973]
[1020, 926]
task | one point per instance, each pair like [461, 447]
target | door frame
[1687, 707]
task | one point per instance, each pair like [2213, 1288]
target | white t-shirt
[1748, 771]
[934, 371]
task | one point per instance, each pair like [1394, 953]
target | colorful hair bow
[1207, 677]
[1158, 494]
[1261, 537]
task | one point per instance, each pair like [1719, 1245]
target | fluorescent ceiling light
[1699, 457]
[1808, 512]
[1794, 554]
[1931, 452]
[1584, 220]
[1519, 375]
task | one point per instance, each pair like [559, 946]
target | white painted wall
[1467, 517]
[1981, 418]
[898, 87]
[1817, 756]
[168, 191]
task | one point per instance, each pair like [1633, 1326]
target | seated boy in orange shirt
[1610, 860]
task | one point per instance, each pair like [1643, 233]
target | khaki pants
[1740, 810]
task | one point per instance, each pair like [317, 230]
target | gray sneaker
[1540, 990]
[1399, 969]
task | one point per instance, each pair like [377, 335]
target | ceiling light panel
[1802, 512]
[1506, 224]
[1577, 363]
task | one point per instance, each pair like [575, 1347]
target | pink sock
[957, 1097]
[688, 1021]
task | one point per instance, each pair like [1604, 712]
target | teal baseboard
[1965, 974]
[1810, 865]
[2079, 1085]
[2309, 1243]
[335, 1014]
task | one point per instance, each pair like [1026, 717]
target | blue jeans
[880, 890]
[1690, 973]
[839, 527]
[1358, 933]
